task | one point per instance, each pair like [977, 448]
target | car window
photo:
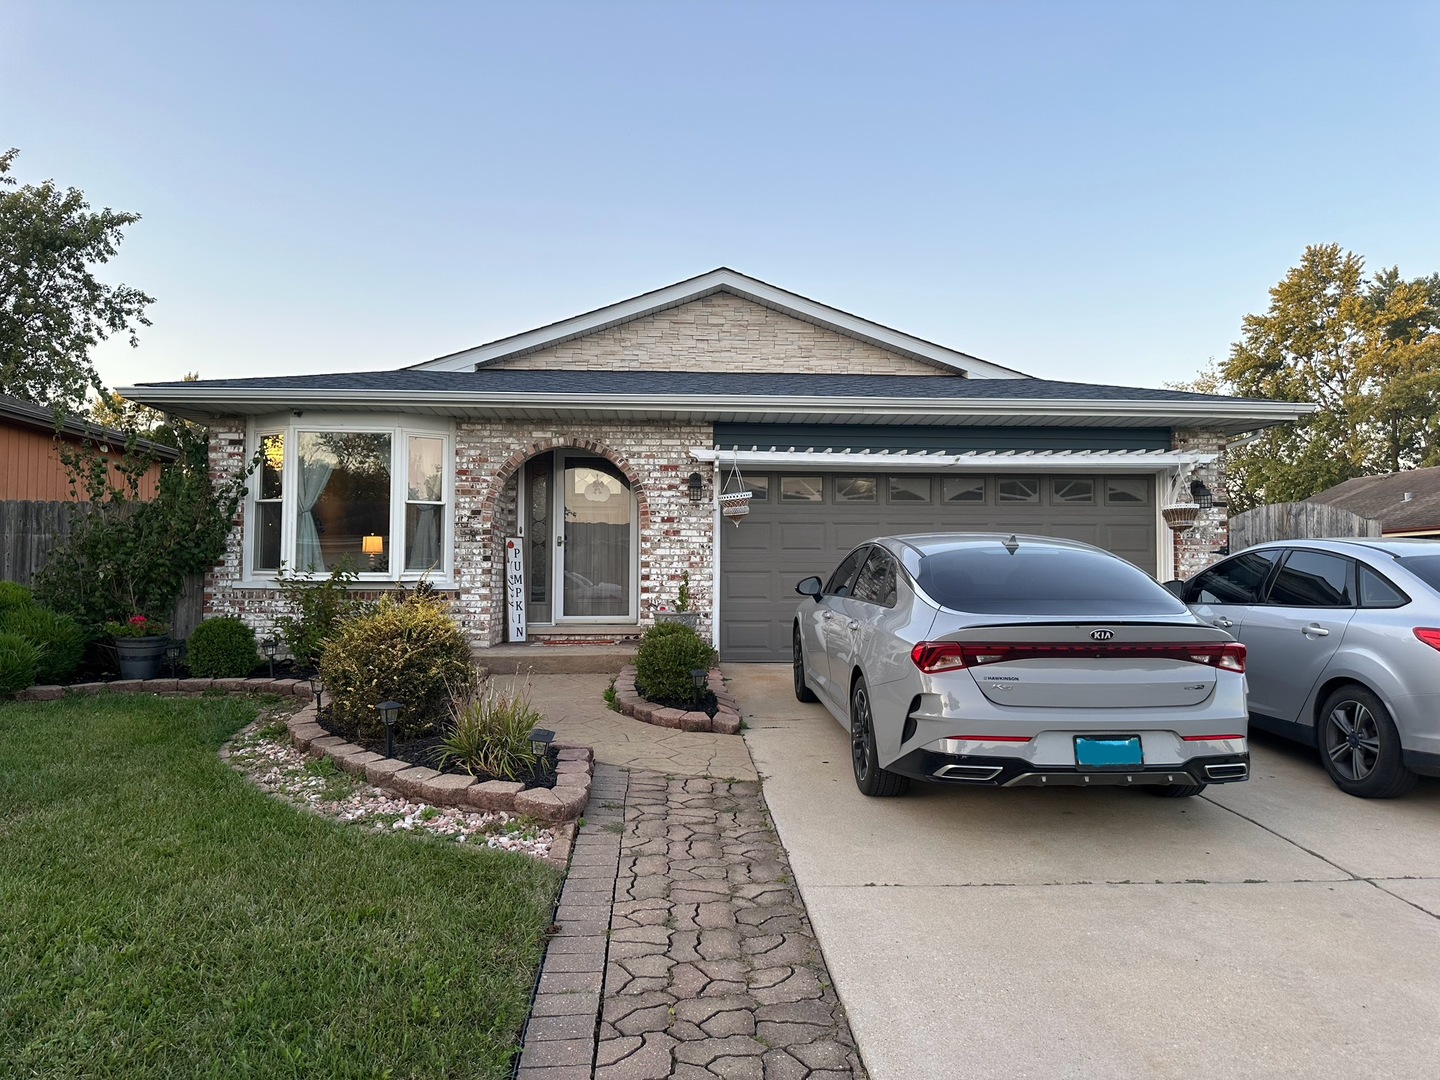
[1375, 591]
[876, 583]
[843, 580]
[1314, 579]
[1039, 580]
[1425, 567]
[1234, 581]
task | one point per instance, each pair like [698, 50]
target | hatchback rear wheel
[1360, 747]
[869, 777]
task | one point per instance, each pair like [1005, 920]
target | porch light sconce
[317, 689]
[540, 740]
[269, 646]
[389, 712]
[1203, 496]
[696, 487]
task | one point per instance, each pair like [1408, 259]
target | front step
[540, 658]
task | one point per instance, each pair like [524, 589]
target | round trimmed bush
[60, 639]
[19, 659]
[668, 653]
[408, 649]
[222, 648]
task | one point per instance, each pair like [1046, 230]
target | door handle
[1315, 630]
[852, 625]
[1223, 623]
[827, 615]
[559, 541]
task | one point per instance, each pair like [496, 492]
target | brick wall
[1195, 548]
[722, 332]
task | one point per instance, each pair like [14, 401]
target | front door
[595, 545]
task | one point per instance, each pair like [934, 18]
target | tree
[1366, 350]
[53, 311]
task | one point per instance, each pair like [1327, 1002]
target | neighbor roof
[27, 414]
[1384, 498]
[720, 396]
[723, 280]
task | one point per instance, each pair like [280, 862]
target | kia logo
[1102, 635]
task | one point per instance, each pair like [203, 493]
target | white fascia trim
[973, 460]
[698, 287]
[218, 399]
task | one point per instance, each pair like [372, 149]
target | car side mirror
[1176, 587]
[810, 587]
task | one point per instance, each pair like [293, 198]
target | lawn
[160, 917]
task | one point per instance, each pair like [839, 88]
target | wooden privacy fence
[29, 531]
[1297, 521]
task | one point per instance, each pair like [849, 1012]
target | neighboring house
[1405, 503]
[30, 465]
[602, 441]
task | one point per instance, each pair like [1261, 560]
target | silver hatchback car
[1018, 660]
[1344, 640]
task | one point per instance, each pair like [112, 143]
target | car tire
[1360, 747]
[1176, 791]
[870, 778]
[802, 690]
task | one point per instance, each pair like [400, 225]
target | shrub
[18, 662]
[489, 733]
[667, 655]
[407, 649]
[13, 595]
[318, 605]
[222, 649]
[60, 639]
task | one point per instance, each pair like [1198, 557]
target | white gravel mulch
[263, 753]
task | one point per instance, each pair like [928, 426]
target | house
[594, 449]
[30, 444]
[1405, 503]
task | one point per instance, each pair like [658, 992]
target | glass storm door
[595, 543]
[538, 505]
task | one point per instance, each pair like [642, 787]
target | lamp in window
[372, 546]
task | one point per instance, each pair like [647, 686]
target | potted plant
[140, 645]
[682, 612]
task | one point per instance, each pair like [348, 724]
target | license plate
[1108, 752]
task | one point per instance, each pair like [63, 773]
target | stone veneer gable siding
[721, 332]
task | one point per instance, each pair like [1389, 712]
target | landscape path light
[389, 713]
[698, 679]
[269, 646]
[317, 688]
[540, 740]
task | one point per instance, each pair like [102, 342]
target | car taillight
[933, 657]
[1428, 634]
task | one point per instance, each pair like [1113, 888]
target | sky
[1096, 192]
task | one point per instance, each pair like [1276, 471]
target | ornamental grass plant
[488, 734]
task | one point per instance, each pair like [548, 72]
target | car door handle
[852, 625]
[1223, 623]
[1314, 630]
[827, 615]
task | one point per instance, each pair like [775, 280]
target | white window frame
[399, 428]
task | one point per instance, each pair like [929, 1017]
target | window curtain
[424, 553]
[314, 475]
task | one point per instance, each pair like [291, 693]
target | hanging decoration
[1180, 508]
[735, 504]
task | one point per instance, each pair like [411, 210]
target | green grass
[159, 917]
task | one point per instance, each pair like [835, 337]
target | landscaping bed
[164, 917]
[725, 719]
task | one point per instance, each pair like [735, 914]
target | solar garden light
[269, 646]
[698, 678]
[317, 688]
[172, 657]
[389, 713]
[540, 740]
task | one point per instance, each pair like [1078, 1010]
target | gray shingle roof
[1383, 498]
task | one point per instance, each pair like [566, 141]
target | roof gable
[727, 281]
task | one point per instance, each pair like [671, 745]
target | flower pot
[141, 657]
[735, 505]
[1180, 516]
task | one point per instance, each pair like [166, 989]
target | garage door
[802, 524]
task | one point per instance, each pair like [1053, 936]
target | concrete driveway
[1274, 928]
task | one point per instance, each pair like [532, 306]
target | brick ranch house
[599, 445]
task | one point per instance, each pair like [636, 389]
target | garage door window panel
[759, 488]
[963, 489]
[801, 489]
[1127, 491]
[1018, 489]
[854, 489]
[1072, 491]
[909, 489]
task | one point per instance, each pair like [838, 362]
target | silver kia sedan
[1018, 660]
[1344, 640]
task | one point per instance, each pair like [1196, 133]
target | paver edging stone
[726, 720]
[560, 811]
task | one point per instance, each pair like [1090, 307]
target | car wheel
[1360, 747]
[1175, 791]
[802, 691]
[869, 777]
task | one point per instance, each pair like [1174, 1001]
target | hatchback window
[1038, 580]
[876, 583]
[1314, 579]
[1375, 591]
[1425, 567]
[844, 577]
[1234, 581]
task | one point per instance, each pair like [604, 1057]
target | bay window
[337, 494]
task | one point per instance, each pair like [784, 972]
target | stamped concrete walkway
[682, 947]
